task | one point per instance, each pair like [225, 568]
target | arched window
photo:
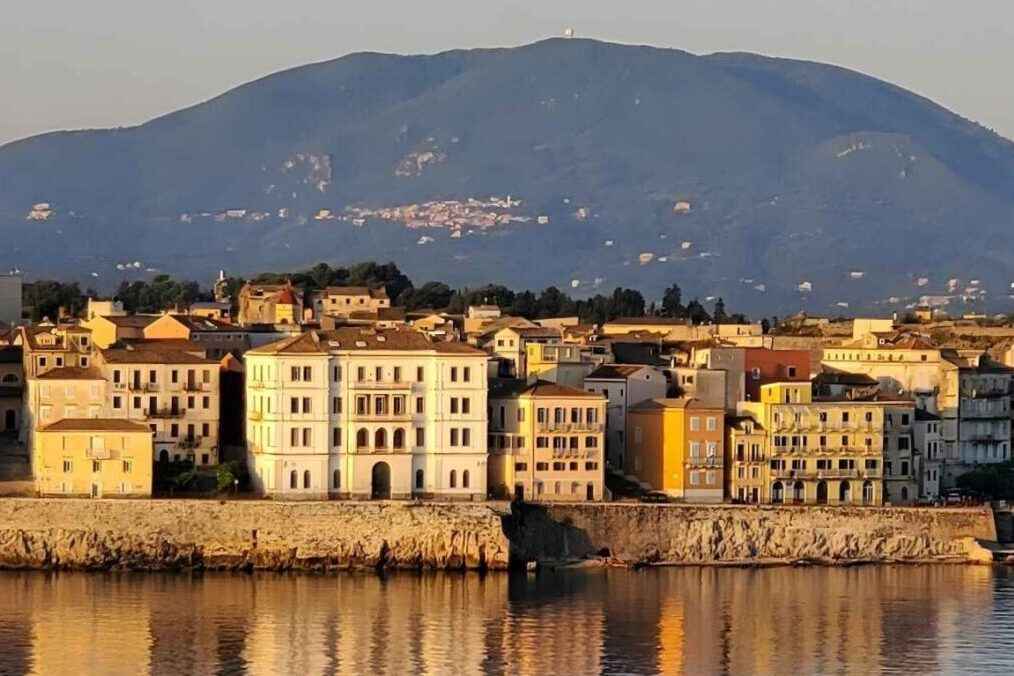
[454, 479]
[844, 493]
[336, 480]
[294, 479]
[306, 479]
[399, 439]
[362, 439]
[776, 492]
[419, 479]
[380, 439]
[575, 488]
[464, 479]
[556, 487]
[867, 492]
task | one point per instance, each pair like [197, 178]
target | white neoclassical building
[366, 413]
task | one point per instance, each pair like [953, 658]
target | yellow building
[820, 452]
[108, 330]
[63, 392]
[46, 346]
[676, 446]
[546, 441]
[746, 464]
[556, 363]
[96, 457]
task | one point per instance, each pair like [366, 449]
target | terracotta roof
[511, 387]
[72, 373]
[132, 321]
[351, 338]
[661, 404]
[95, 425]
[195, 323]
[379, 292]
[178, 344]
[152, 355]
[286, 297]
[614, 371]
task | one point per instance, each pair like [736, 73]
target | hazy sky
[100, 63]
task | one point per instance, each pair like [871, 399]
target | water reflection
[673, 621]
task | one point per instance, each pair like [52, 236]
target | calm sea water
[894, 619]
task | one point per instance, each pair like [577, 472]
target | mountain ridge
[782, 162]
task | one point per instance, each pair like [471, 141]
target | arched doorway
[867, 492]
[798, 492]
[822, 493]
[163, 457]
[10, 420]
[776, 492]
[380, 486]
[844, 493]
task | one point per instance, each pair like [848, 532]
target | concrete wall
[178, 534]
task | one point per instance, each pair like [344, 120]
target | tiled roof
[72, 373]
[150, 354]
[614, 372]
[379, 292]
[132, 321]
[95, 425]
[661, 404]
[351, 338]
[505, 388]
[195, 323]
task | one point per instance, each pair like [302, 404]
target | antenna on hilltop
[568, 32]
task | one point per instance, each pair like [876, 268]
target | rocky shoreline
[51, 534]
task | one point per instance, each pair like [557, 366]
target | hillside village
[285, 391]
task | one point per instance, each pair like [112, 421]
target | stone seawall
[262, 535]
[733, 534]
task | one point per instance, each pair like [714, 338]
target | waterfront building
[746, 461]
[546, 441]
[820, 452]
[92, 457]
[901, 462]
[676, 446]
[173, 392]
[974, 403]
[62, 392]
[623, 386]
[929, 445]
[366, 413]
[899, 362]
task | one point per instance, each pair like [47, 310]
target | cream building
[64, 392]
[367, 413]
[93, 457]
[546, 441]
[342, 301]
[174, 393]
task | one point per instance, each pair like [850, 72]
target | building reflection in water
[681, 620]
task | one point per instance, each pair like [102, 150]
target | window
[466, 405]
[397, 374]
[419, 407]
[869, 416]
[712, 424]
[695, 449]
[206, 376]
[591, 466]
[205, 429]
[792, 371]
[360, 374]
[419, 373]
[336, 479]
[294, 405]
[336, 373]
[399, 439]
[378, 373]
[117, 402]
[844, 416]
[306, 479]
[306, 404]
[96, 466]
[205, 402]
[903, 444]
[420, 437]
[542, 467]
[591, 442]
[454, 436]
[68, 466]
[466, 374]
[336, 437]
[307, 373]
[454, 404]
[454, 374]
[380, 439]
[362, 439]
[293, 479]
[453, 479]
[174, 376]
[464, 479]
[419, 477]
[466, 438]
[559, 466]
[695, 424]
[905, 420]
[128, 466]
[336, 405]
[362, 405]
[294, 437]
[521, 467]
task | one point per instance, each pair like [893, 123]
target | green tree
[672, 302]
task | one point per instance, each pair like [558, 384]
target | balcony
[589, 428]
[793, 474]
[838, 474]
[196, 387]
[144, 387]
[713, 461]
[381, 385]
[165, 413]
[189, 442]
[387, 416]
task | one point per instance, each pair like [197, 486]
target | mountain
[777, 184]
